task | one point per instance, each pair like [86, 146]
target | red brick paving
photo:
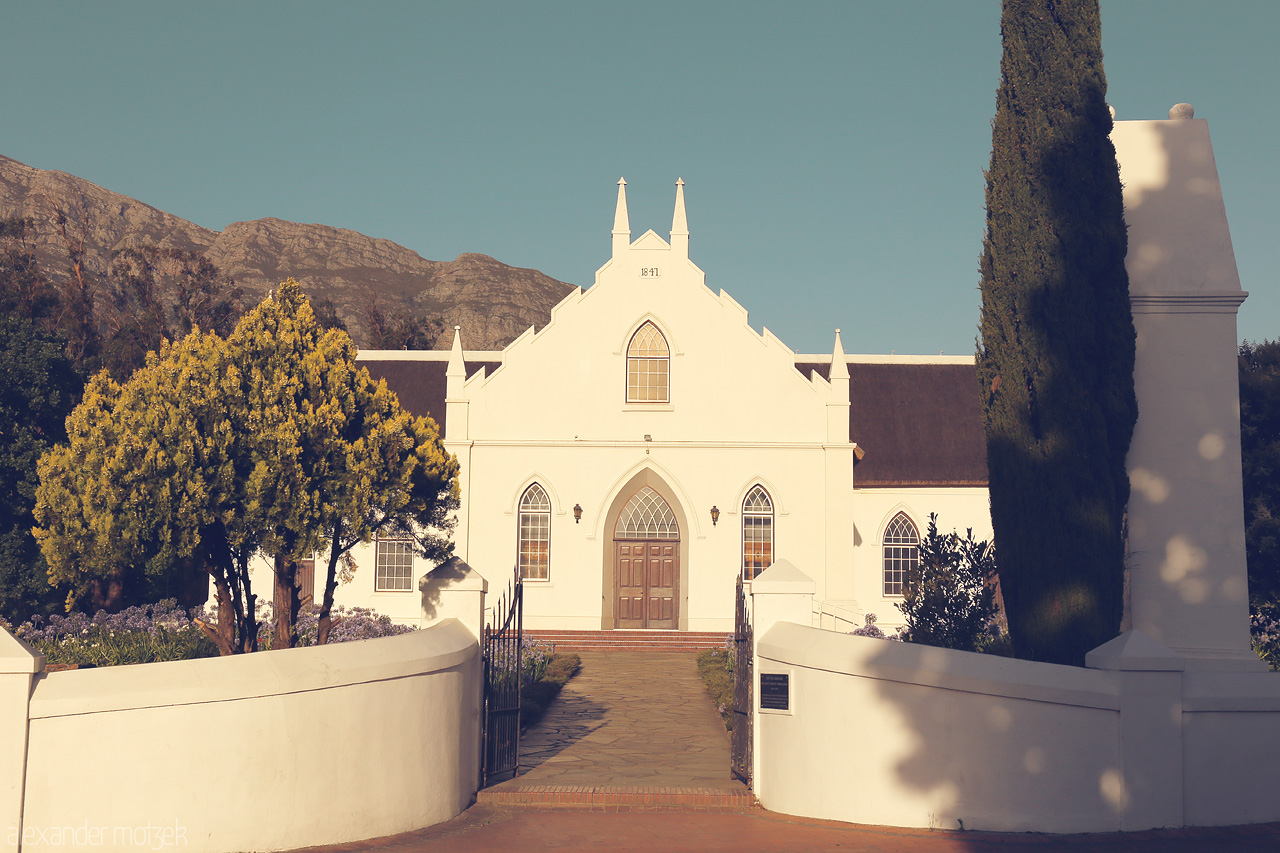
[517, 829]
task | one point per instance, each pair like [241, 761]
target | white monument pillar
[1188, 585]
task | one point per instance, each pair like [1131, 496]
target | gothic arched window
[648, 366]
[757, 532]
[646, 516]
[901, 552]
[535, 534]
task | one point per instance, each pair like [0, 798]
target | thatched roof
[918, 424]
[420, 385]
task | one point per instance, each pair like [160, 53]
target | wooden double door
[646, 580]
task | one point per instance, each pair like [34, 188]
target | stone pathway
[632, 729]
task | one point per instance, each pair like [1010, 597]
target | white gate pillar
[19, 664]
[454, 590]
[1188, 585]
[781, 593]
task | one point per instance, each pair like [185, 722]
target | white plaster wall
[404, 607]
[958, 508]
[596, 475]
[896, 734]
[568, 381]
[271, 751]
[1231, 747]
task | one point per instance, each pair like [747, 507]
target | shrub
[142, 634]
[163, 631]
[871, 629]
[948, 598]
[716, 668]
[536, 697]
[358, 623]
[1264, 625]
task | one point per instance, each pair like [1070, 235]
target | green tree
[39, 391]
[1055, 360]
[24, 291]
[156, 294]
[399, 329]
[948, 597]
[217, 451]
[1260, 454]
[149, 482]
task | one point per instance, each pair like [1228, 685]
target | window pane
[534, 535]
[646, 516]
[648, 363]
[394, 567]
[901, 553]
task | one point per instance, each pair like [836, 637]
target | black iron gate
[742, 675]
[503, 677]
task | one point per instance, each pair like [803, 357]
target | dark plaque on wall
[775, 691]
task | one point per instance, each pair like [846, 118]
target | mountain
[493, 302]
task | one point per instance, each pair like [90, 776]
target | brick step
[619, 799]
[630, 640]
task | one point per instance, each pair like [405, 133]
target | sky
[833, 153]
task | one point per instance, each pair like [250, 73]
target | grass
[536, 697]
[716, 668]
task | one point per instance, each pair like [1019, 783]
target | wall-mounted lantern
[715, 515]
[577, 513]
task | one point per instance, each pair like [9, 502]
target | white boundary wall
[892, 733]
[270, 751]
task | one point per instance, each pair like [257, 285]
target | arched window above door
[646, 516]
[648, 366]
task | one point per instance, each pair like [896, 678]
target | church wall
[569, 381]
[958, 508]
[600, 477]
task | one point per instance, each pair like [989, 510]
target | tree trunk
[325, 623]
[285, 604]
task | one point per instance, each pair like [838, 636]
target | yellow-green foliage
[272, 441]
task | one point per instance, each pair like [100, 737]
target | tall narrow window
[535, 533]
[901, 552]
[394, 570]
[757, 533]
[648, 366]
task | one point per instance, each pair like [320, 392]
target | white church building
[647, 447]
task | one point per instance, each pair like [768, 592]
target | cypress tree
[1055, 360]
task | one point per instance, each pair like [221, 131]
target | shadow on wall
[1038, 753]
[1015, 745]
[455, 590]
[1186, 516]
[434, 584]
[938, 738]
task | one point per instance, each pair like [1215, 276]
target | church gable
[649, 349]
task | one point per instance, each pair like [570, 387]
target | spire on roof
[839, 366]
[456, 373]
[621, 224]
[680, 224]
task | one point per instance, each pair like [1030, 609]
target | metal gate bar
[742, 678]
[503, 681]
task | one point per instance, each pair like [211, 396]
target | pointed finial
[680, 223]
[839, 366]
[621, 224]
[457, 369]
